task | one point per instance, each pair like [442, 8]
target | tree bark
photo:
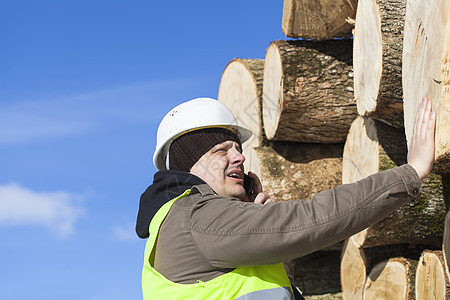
[431, 280]
[373, 146]
[318, 20]
[290, 171]
[307, 91]
[240, 90]
[426, 69]
[446, 244]
[377, 59]
[391, 280]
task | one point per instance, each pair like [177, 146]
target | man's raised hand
[421, 147]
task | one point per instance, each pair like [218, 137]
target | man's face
[222, 169]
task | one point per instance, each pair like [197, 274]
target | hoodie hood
[167, 184]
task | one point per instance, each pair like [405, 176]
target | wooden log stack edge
[302, 102]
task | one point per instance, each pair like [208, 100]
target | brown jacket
[205, 235]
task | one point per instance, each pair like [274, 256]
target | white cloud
[31, 119]
[125, 232]
[57, 211]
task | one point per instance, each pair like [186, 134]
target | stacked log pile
[327, 111]
[391, 58]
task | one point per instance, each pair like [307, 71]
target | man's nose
[236, 156]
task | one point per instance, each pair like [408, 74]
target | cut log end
[377, 60]
[431, 279]
[361, 155]
[389, 280]
[240, 90]
[272, 90]
[367, 56]
[353, 269]
[426, 70]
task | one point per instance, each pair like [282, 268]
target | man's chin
[237, 192]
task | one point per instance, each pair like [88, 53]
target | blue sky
[84, 85]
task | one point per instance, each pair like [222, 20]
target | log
[290, 171]
[318, 20]
[377, 59]
[431, 279]
[373, 146]
[426, 69]
[307, 91]
[391, 280]
[240, 90]
[318, 273]
[446, 244]
[353, 269]
[356, 260]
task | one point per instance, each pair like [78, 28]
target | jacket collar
[166, 185]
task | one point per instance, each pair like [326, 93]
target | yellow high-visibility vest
[253, 282]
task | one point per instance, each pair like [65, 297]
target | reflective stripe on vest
[244, 283]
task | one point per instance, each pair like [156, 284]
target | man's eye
[220, 150]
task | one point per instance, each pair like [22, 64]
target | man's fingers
[430, 126]
[419, 117]
[421, 148]
[270, 200]
[425, 119]
[260, 198]
[263, 199]
[431, 122]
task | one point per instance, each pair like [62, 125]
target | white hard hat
[195, 114]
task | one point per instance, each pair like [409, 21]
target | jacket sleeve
[230, 233]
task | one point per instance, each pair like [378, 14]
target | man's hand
[421, 147]
[257, 196]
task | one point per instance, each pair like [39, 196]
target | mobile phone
[249, 183]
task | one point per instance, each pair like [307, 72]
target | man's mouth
[236, 174]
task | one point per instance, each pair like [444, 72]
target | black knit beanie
[187, 149]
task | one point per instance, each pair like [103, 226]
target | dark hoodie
[166, 186]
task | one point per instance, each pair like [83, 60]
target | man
[210, 238]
